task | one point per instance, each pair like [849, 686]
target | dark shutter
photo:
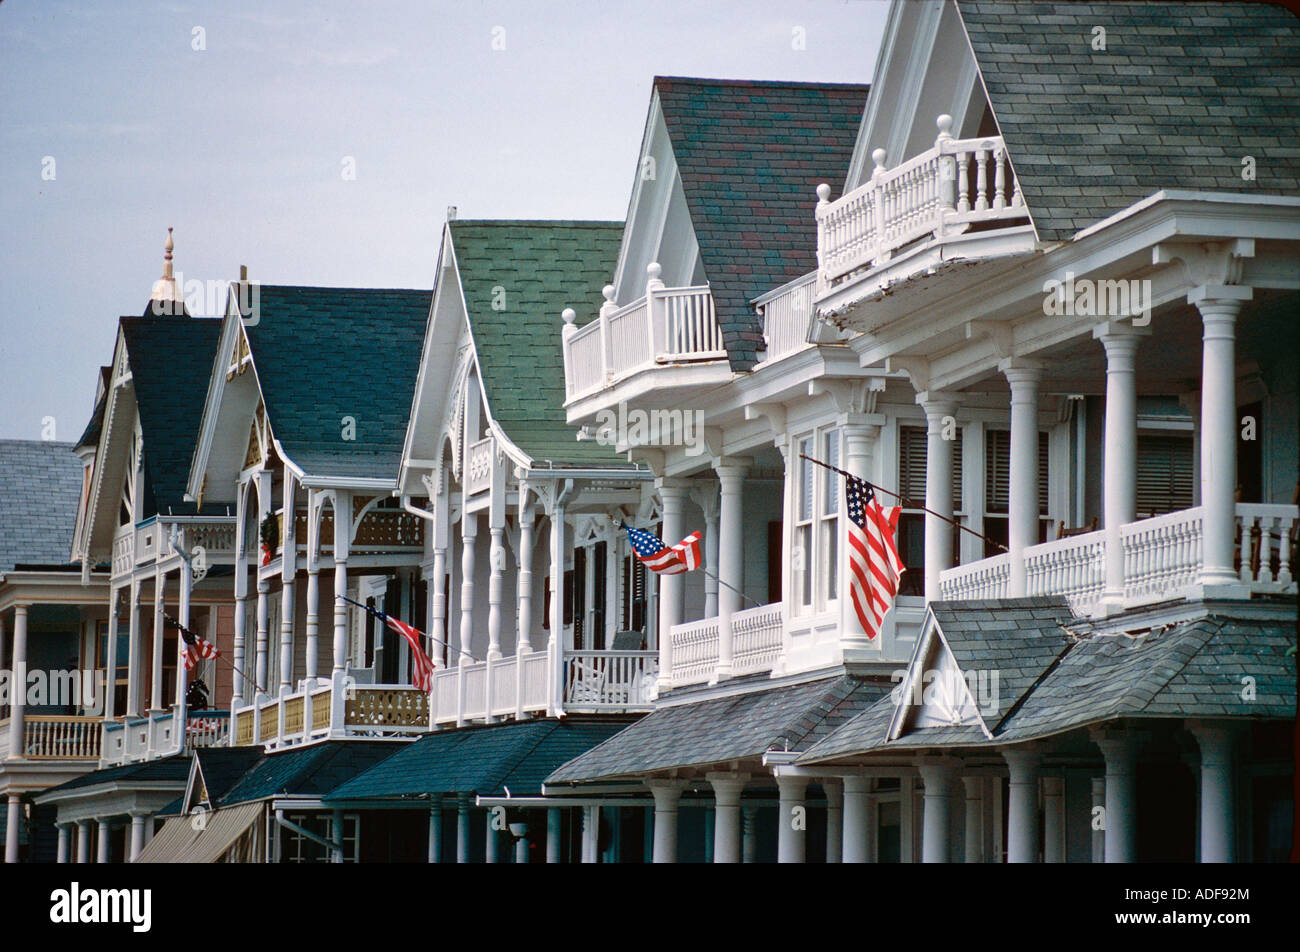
[911, 465]
[1164, 474]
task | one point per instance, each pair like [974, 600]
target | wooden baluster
[1246, 526]
[1265, 573]
[963, 187]
[981, 180]
[1284, 524]
[1000, 178]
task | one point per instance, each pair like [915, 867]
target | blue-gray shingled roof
[481, 760]
[517, 278]
[313, 770]
[337, 367]
[163, 770]
[40, 488]
[170, 359]
[750, 156]
[718, 730]
[1180, 95]
[1191, 669]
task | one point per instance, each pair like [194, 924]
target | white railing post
[568, 315]
[877, 243]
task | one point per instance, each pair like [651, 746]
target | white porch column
[156, 659]
[17, 705]
[1022, 804]
[492, 842]
[938, 775]
[706, 497]
[731, 555]
[834, 789]
[554, 823]
[103, 853]
[727, 788]
[672, 496]
[312, 659]
[185, 580]
[667, 794]
[857, 820]
[1219, 307]
[137, 835]
[792, 820]
[527, 517]
[462, 829]
[286, 635]
[1053, 820]
[435, 833]
[1022, 524]
[263, 637]
[288, 582]
[520, 832]
[83, 841]
[1098, 829]
[859, 449]
[135, 658]
[62, 855]
[1218, 802]
[1120, 749]
[749, 836]
[591, 834]
[342, 541]
[496, 581]
[11, 828]
[468, 536]
[938, 488]
[974, 845]
[110, 661]
[240, 649]
[1119, 474]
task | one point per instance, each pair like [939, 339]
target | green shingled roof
[480, 760]
[170, 359]
[313, 770]
[166, 769]
[1191, 669]
[750, 156]
[323, 354]
[1182, 92]
[531, 271]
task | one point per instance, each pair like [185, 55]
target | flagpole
[908, 503]
[624, 526]
[177, 625]
[378, 614]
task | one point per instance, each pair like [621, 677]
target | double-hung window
[815, 545]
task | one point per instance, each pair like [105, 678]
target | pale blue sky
[240, 146]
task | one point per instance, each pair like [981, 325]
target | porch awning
[179, 842]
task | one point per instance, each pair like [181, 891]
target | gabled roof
[94, 426]
[165, 770]
[482, 760]
[40, 486]
[1181, 94]
[750, 156]
[1191, 669]
[736, 727]
[170, 358]
[325, 354]
[313, 770]
[517, 277]
[220, 768]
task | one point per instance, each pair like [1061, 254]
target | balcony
[666, 328]
[136, 739]
[319, 712]
[787, 312]
[381, 531]
[756, 645]
[146, 542]
[959, 199]
[55, 737]
[1162, 561]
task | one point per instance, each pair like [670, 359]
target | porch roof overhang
[52, 586]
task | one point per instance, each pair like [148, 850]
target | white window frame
[810, 534]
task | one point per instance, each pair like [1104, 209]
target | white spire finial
[164, 289]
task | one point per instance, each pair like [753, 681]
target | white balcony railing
[61, 737]
[136, 739]
[1162, 558]
[786, 315]
[478, 466]
[695, 651]
[957, 185]
[755, 640]
[123, 559]
[666, 326]
[610, 680]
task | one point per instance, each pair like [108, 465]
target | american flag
[663, 559]
[196, 646]
[873, 555]
[422, 672]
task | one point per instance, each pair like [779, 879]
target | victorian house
[1050, 303]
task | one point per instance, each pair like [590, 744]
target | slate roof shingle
[40, 489]
[750, 156]
[170, 359]
[1181, 94]
[540, 268]
[313, 770]
[717, 730]
[481, 760]
[323, 354]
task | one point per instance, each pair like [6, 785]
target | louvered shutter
[997, 471]
[1164, 474]
[911, 465]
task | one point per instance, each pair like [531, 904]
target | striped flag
[196, 646]
[422, 665]
[873, 555]
[663, 559]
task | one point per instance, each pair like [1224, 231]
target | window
[815, 545]
[296, 848]
[912, 450]
[634, 603]
[1164, 474]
